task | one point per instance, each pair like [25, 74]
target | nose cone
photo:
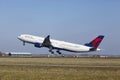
[19, 37]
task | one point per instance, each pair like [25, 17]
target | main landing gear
[52, 52]
[58, 52]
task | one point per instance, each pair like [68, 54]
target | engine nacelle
[38, 45]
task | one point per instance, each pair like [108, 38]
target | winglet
[96, 42]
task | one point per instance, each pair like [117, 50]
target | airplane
[52, 44]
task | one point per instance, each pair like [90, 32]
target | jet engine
[38, 45]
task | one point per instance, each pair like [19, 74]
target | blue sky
[77, 21]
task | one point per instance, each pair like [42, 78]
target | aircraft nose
[19, 37]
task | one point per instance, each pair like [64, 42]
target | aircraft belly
[72, 48]
[78, 49]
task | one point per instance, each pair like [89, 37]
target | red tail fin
[96, 42]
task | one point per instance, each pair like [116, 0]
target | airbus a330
[58, 45]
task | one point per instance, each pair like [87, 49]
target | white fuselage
[61, 45]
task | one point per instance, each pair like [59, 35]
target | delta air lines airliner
[58, 45]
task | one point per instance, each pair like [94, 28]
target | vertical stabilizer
[96, 42]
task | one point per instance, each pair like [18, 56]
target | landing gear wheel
[51, 51]
[58, 52]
